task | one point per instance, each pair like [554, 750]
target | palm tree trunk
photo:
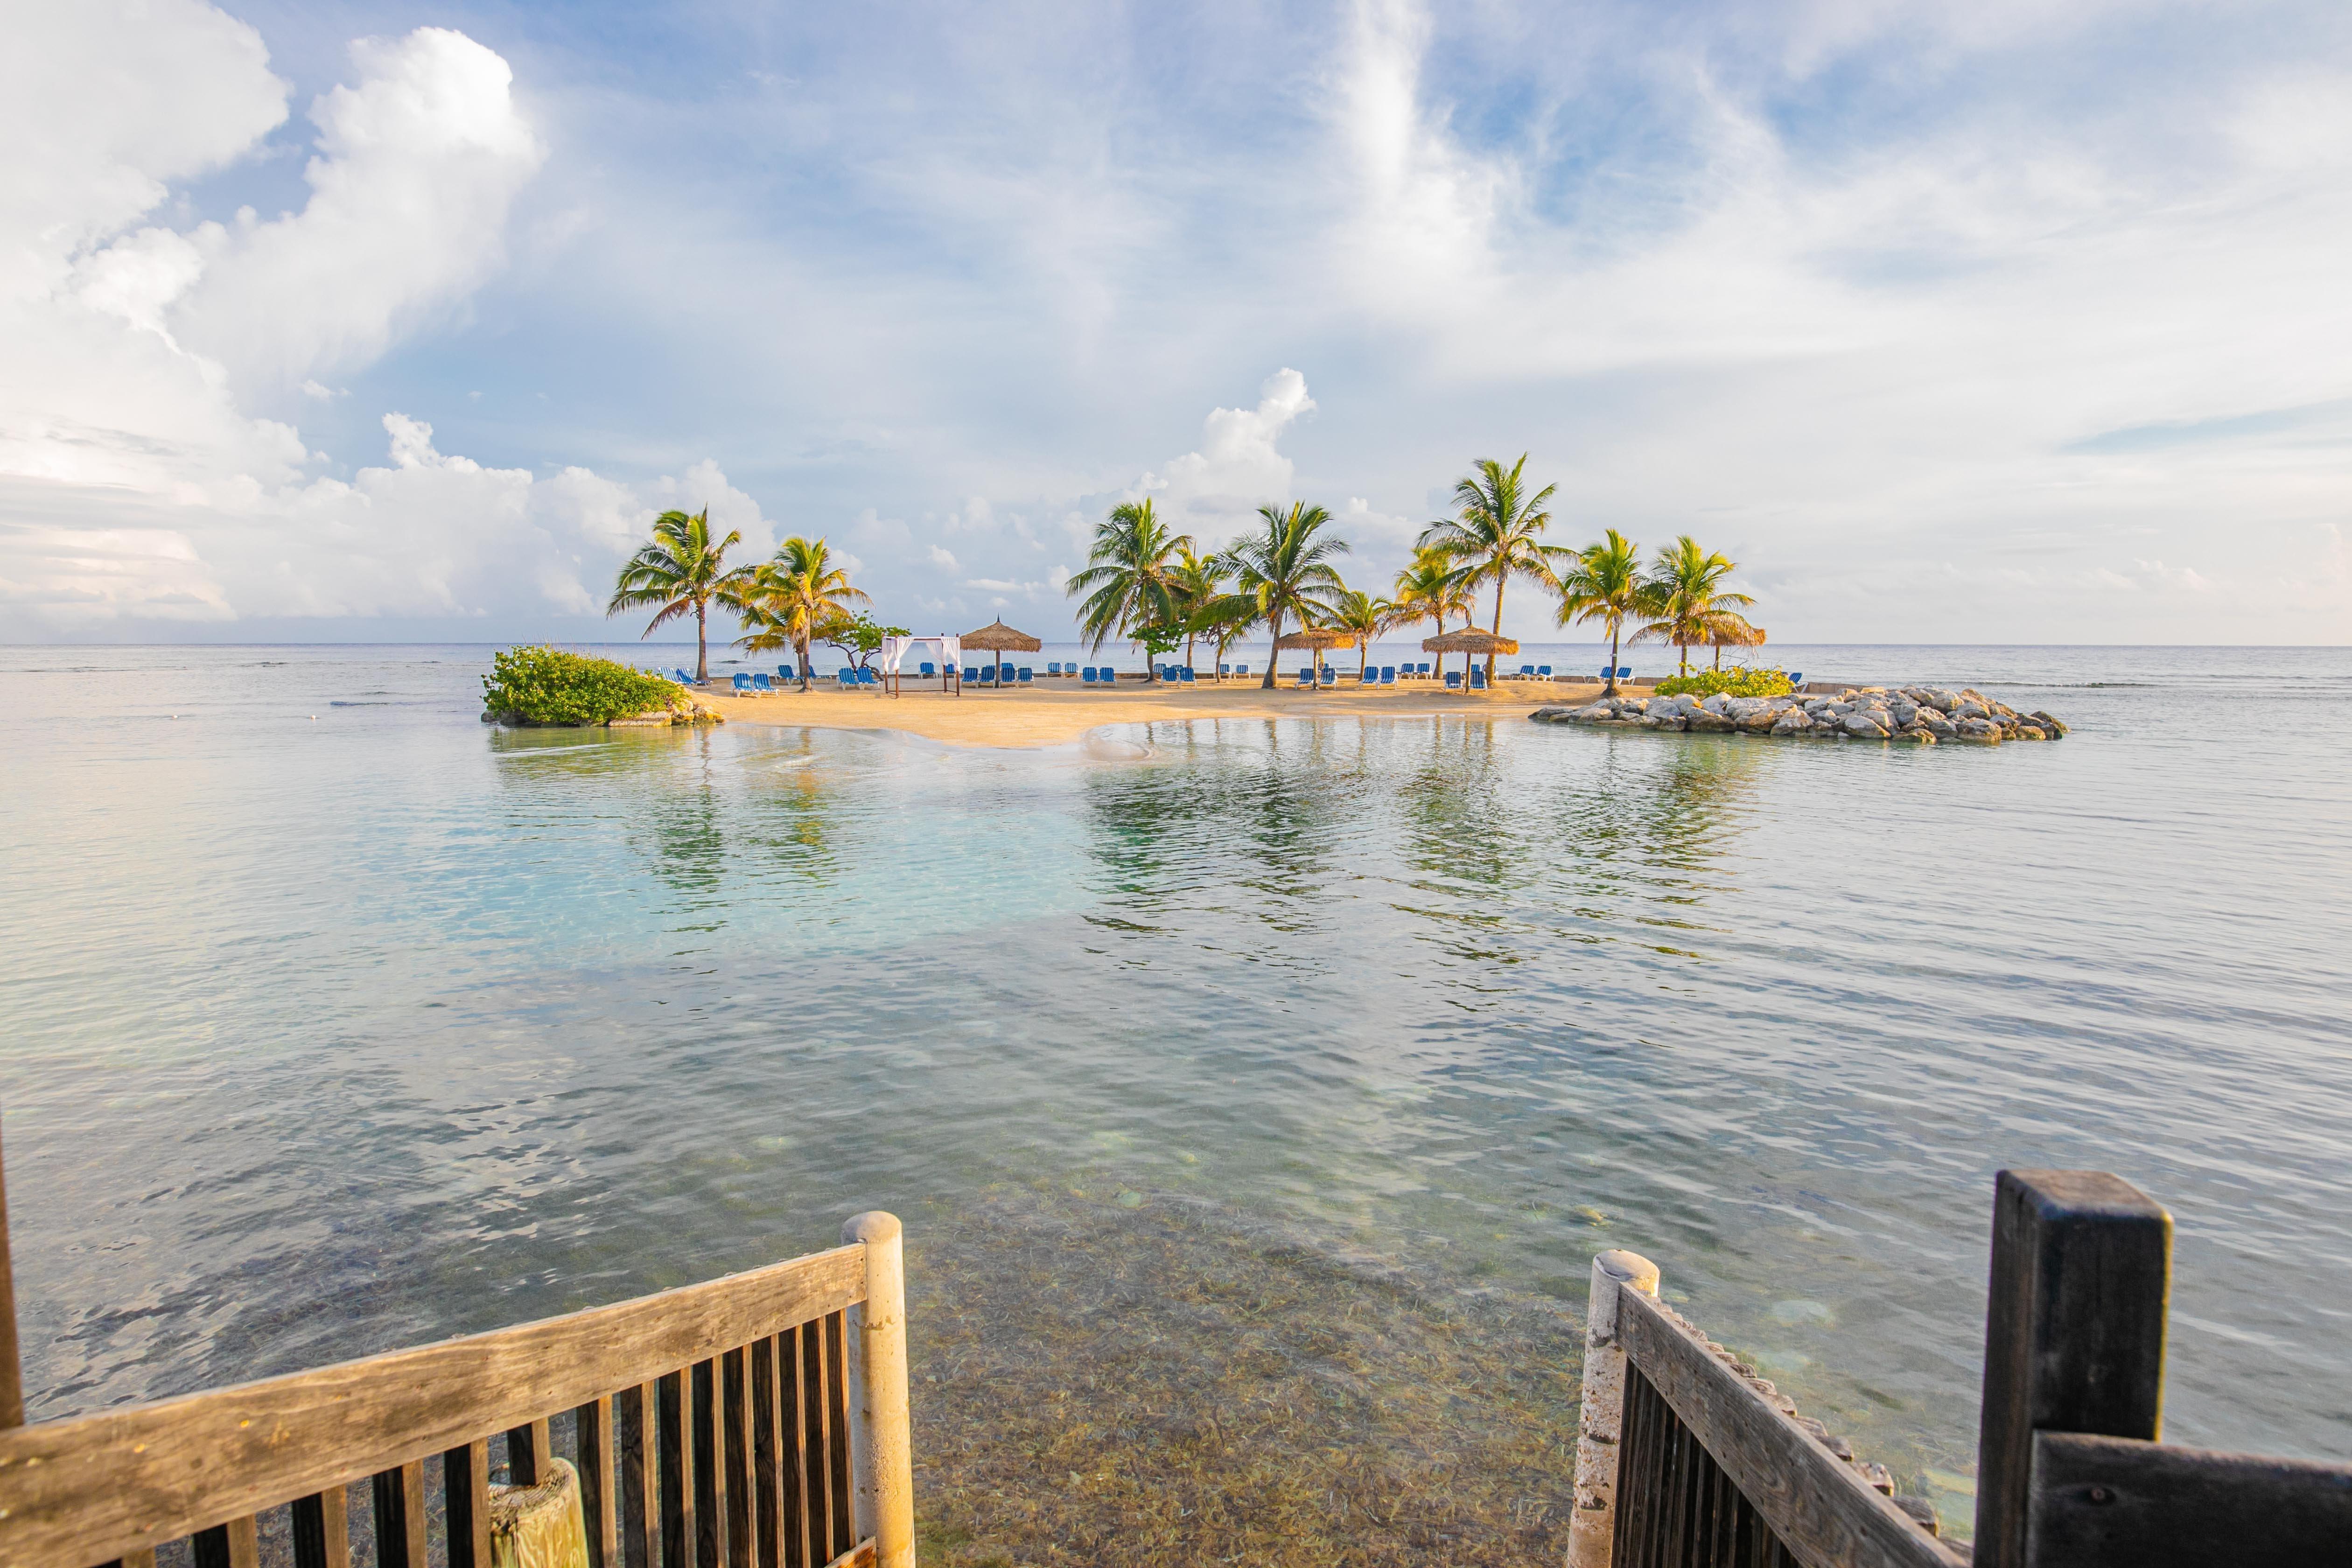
[701, 644]
[801, 646]
[1719, 657]
[1273, 654]
[1440, 657]
[1498, 630]
[1615, 626]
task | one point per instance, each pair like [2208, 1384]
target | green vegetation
[548, 685]
[858, 636]
[1727, 683]
[681, 570]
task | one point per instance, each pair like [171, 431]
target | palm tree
[1432, 588]
[681, 570]
[1287, 571]
[1605, 584]
[787, 601]
[1358, 612]
[1687, 595]
[1128, 580]
[1728, 628]
[1494, 530]
[1198, 582]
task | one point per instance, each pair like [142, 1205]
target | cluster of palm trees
[794, 599]
[1147, 583]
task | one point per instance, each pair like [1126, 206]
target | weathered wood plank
[709, 1465]
[861, 1555]
[466, 1503]
[735, 1413]
[87, 1489]
[600, 1493]
[322, 1530]
[2082, 1268]
[677, 1467]
[836, 1331]
[766, 1457]
[2114, 1502]
[399, 1495]
[792, 1369]
[1828, 1516]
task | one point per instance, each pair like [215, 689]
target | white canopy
[894, 650]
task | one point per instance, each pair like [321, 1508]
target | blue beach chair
[1053, 667]
[1387, 675]
[1526, 672]
[1478, 678]
[1624, 672]
[1422, 670]
[868, 678]
[1223, 670]
[760, 683]
[1306, 678]
[1543, 672]
[1184, 676]
[847, 678]
[1027, 675]
[683, 679]
[742, 684]
[1086, 676]
[1796, 681]
[1452, 679]
[1242, 670]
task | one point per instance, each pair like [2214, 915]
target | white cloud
[941, 559]
[1212, 493]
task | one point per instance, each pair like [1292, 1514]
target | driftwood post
[881, 1444]
[1600, 1421]
[12, 1377]
[2081, 1269]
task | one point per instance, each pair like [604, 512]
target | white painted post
[881, 1441]
[1592, 1531]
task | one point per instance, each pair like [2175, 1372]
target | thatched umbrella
[1316, 637]
[1471, 640]
[1727, 630]
[997, 638]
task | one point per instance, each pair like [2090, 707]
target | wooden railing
[1686, 1458]
[758, 1421]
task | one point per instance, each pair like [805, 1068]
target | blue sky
[1979, 322]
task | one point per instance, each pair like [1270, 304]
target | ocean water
[333, 1020]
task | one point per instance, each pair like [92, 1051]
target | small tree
[681, 571]
[858, 636]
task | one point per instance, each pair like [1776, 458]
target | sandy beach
[1057, 712]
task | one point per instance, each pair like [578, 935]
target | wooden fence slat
[799, 1517]
[735, 1414]
[640, 1420]
[861, 1555]
[322, 1530]
[2081, 1269]
[399, 1497]
[766, 1457]
[465, 1502]
[236, 1545]
[529, 1448]
[709, 1467]
[600, 1495]
[92, 1488]
[836, 1350]
[820, 1448]
[1825, 1513]
[2114, 1502]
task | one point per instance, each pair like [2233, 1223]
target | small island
[1917, 715]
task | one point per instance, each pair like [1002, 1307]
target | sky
[1996, 321]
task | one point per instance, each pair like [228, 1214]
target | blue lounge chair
[1526, 672]
[1027, 674]
[868, 678]
[683, 679]
[1223, 670]
[1796, 681]
[787, 672]
[1624, 672]
[1387, 675]
[1086, 676]
[1330, 677]
[1543, 672]
[848, 677]
[1424, 670]
[1053, 667]
[1452, 679]
[1367, 676]
[1306, 678]
[1184, 677]
[761, 683]
[742, 684]
[927, 669]
[1478, 678]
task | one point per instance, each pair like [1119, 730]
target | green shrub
[548, 685]
[1728, 683]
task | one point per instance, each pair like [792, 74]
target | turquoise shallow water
[325, 1034]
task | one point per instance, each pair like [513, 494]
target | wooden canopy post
[12, 1374]
[1591, 1527]
[2081, 1271]
[881, 1439]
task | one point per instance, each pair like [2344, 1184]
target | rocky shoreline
[1916, 715]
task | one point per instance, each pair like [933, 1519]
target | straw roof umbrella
[1316, 637]
[1728, 630]
[998, 637]
[1470, 641]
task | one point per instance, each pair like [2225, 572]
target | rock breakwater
[1914, 715]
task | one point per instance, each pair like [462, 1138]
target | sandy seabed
[1055, 712]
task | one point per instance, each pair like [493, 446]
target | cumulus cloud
[1211, 493]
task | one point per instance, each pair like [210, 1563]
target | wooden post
[1591, 1530]
[2082, 1267]
[881, 1442]
[12, 1377]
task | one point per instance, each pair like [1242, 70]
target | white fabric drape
[894, 650]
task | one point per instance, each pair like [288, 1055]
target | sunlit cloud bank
[1966, 323]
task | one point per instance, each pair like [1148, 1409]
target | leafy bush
[1728, 682]
[548, 685]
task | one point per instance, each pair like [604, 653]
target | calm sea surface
[333, 1020]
